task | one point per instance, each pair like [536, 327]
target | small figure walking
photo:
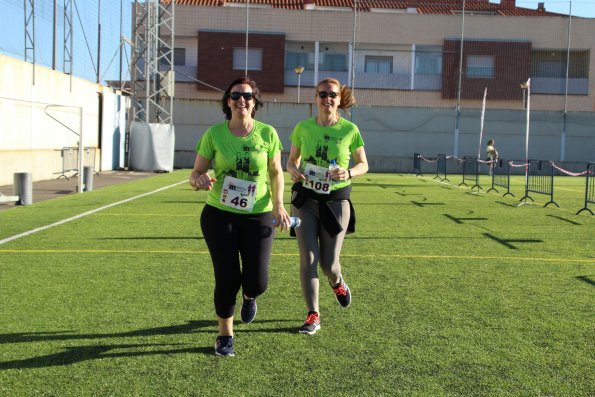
[492, 155]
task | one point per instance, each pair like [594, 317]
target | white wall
[40, 115]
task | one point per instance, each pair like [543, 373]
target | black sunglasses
[324, 94]
[235, 96]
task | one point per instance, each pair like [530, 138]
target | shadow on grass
[587, 280]
[508, 242]
[74, 354]
[564, 219]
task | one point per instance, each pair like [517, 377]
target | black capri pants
[229, 237]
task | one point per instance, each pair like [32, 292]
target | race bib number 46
[317, 179]
[238, 193]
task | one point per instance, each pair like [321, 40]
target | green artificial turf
[455, 292]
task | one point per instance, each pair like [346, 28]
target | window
[293, 59]
[179, 56]
[378, 64]
[428, 60]
[333, 62]
[254, 58]
[480, 66]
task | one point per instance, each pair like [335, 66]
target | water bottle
[333, 165]
[294, 221]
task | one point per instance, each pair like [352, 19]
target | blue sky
[85, 26]
[581, 8]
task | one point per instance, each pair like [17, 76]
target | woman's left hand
[281, 218]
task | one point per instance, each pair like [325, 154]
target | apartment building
[400, 53]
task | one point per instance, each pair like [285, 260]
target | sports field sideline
[455, 292]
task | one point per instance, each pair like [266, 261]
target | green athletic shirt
[240, 157]
[319, 145]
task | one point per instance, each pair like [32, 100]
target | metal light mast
[153, 63]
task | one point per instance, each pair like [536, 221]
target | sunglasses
[235, 96]
[324, 94]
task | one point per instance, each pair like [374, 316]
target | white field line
[39, 229]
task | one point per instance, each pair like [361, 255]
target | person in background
[492, 155]
[240, 211]
[321, 196]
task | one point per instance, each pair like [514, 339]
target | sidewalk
[52, 188]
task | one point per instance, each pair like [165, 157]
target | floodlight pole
[564, 115]
[527, 85]
[247, 32]
[458, 116]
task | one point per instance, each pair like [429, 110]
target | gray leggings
[316, 245]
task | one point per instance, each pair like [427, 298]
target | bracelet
[349, 172]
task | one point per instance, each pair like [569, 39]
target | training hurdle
[540, 179]
[470, 171]
[441, 168]
[501, 176]
[416, 164]
[589, 188]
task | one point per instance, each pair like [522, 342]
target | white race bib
[317, 179]
[238, 193]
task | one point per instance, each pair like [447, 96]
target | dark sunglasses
[235, 96]
[324, 94]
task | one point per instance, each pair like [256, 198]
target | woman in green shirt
[320, 194]
[237, 220]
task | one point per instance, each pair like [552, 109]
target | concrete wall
[40, 115]
[392, 134]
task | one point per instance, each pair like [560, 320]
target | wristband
[349, 172]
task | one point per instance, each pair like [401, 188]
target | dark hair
[347, 98]
[255, 92]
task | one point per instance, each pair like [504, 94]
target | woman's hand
[201, 181]
[281, 218]
[340, 174]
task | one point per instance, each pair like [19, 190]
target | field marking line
[39, 229]
[192, 252]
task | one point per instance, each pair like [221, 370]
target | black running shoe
[248, 311]
[311, 325]
[343, 294]
[224, 346]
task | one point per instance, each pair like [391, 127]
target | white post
[81, 149]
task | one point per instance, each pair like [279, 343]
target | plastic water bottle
[294, 221]
[333, 165]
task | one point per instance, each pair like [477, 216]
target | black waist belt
[328, 218]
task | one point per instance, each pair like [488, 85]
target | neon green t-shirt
[319, 145]
[240, 157]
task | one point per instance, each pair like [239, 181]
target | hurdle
[441, 168]
[540, 179]
[470, 171]
[416, 164]
[589, 189]
[501, 177]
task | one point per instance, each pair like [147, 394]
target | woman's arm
[199, 179]
[277, 187]
[293, 164]
[360, 160]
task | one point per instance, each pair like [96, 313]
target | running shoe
[224, 346]
[342, 294]
[248, 311]
[311, 325]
